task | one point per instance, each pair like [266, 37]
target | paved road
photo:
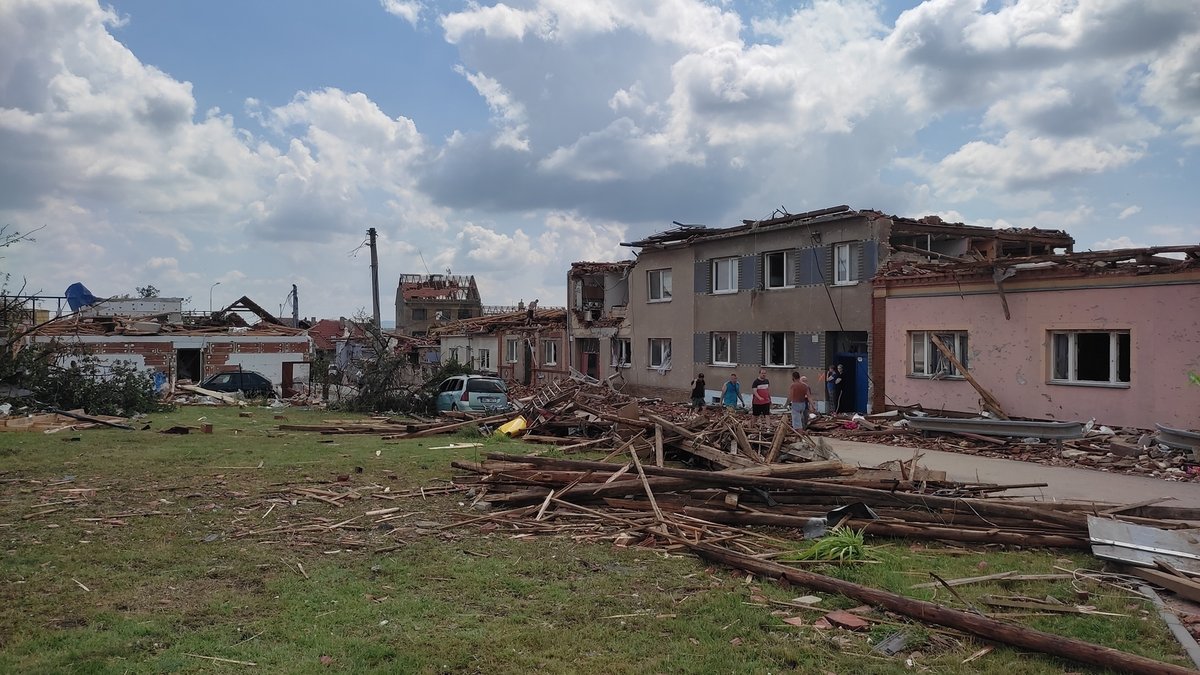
[1065, 483]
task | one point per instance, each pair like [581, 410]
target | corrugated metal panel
[808, 353]
[701, 344]
[749, 274]
[749, 348]
[703, 276]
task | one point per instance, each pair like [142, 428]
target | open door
[855, 385]
[189, 365]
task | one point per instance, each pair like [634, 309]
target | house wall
[673, 319]
[219, 353]
[1011, 358]
[469, 347]
[539, 371]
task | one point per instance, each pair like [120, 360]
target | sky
[251, 144]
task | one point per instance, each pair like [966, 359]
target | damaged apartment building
[788, 293]
[427, 300]
[601, 342]
[525, 346]
[1106, 335]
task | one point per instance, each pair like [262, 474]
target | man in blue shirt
[731, 395]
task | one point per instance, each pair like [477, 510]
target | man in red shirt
[760, 394]
[800, 401]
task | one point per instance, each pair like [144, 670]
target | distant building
[427, 300]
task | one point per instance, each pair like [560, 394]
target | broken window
[660, 353]
[510, 350]
[722, 349]
[464, 312]
[724, 275]
[927, 360]
[845, 263]
[622, 352]
[777, 347]
[483, 359]
[1100, 357]
[660, 285]
[777, 269]
[550, 353]
[418, 314]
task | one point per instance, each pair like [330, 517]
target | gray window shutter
[748, 273]
[749, 349]
[701, 344]
[871, 259]
[703, 276]
[815, 266]
[796, 254]
[808, 353]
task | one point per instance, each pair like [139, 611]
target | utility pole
[374, 276]
[295, 307]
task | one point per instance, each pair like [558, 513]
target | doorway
[189, 365]
[854, 377]
[589, 357]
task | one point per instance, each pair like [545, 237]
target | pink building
[1110, 335]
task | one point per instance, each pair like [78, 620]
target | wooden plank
[988, 400]
[658, 445]
[1181, 586]
[777, 441]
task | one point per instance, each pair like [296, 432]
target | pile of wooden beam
[60, 420]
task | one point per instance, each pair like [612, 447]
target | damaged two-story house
[790, 293]
[598, 328]
[427, 300]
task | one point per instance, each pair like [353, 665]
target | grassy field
[128, 552]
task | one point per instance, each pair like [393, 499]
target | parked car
[250, 383]
[472, 393]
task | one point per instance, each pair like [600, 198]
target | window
[660, 285]
[510, 351]
[454, 354]
[418, 314]
[483, 359]
[622, 352]
[464, 312]
[660, 353]
[928, 360]
[724, 275]
[1089, 357]
[723, 349]
[845, 263]
[777, 348]
[777, 269]
[550, 353]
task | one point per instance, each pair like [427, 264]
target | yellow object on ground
[514, 428]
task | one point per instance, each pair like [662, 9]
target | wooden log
[893, 529]
[89, 418]
[989, 400]
[989, 629]
[658, 445]
[804, 469]
[777, 441]
[446, 428]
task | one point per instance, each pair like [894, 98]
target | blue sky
[185, 143]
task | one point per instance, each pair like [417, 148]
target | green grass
[161, 587]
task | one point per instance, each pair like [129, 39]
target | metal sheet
[992, 427]
[1179, 439]
[1141, 545]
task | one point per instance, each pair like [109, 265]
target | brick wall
[878, 347]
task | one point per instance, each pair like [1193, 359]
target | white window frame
[624, 352]
[550, 353]
[727, 281]
[845, 264]
[661, 342]
[483, 359]
[658, 284]
[729, 340]
[788, 260]
[933, 365]
[511, 352]
[1072, 365]
[789, 349]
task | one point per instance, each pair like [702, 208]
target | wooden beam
[927, 612]
[988, 400]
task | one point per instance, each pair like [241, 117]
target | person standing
[698, 389]
[731, 395]
[839, 388]
[831, 389]
[800, 401]
[760, 394]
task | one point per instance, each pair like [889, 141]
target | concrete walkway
[1065, 483]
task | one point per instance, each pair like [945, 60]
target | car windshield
[486, 386]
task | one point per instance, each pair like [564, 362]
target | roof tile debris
[548, 317]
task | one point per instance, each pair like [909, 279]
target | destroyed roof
[580, 268]
[325, 331]
[406, 341]
[1126, 261]
[73, 326]
[689, 234]
[245, 304]
[548, 317]
[438, 287]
